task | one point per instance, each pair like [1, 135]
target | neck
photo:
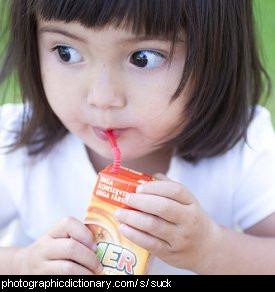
[157, 161]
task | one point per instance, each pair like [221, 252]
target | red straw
[115, 150]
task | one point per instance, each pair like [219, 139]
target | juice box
[117, 254]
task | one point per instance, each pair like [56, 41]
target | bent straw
[115, 150]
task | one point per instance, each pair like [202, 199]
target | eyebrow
[49, 29]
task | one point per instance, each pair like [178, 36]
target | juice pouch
[117, 254]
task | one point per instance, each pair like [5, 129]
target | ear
[161, 176]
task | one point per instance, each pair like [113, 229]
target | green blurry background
[265, 16]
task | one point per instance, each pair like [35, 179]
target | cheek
[163, 123]
[61, 90]
[58, 81]
[151, 94]
[52, 80]
[157, 117]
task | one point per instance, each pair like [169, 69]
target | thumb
[161, 176]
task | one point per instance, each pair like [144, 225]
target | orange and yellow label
[117, 254]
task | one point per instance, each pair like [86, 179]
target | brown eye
[68, 54]
[147, 59]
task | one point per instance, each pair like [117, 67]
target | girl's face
[111, 79]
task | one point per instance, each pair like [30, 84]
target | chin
[131, 155]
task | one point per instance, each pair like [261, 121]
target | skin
[106, 90]
[103, 88]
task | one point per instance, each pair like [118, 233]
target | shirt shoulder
[259, 145]
[11, 164]
[237, 187]
[10, 111]
[254, 197]
[11, 117]
[261, 135]
[260, 141]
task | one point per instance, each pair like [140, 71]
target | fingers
[72, 250]
[71, 227]
[62, 267]
[144, 240]
[168, 189]
[147, 223]
[73, 242]
[162, 207]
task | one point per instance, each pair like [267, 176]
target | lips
[102, 133]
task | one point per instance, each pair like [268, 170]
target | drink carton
[117, 254]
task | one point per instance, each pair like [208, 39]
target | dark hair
[222, 63]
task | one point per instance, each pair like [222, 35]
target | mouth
[102, 133]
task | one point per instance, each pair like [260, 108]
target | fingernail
[139, 189]
[117, 213]
[127, 198]
[122, 228]
[99, 269]
[94, 247]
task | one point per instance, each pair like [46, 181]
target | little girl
[178, 82]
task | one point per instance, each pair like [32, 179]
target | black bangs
[147, 17]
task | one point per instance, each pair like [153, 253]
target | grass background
[265, 17]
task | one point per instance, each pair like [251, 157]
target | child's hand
[170, 224]
[67, 249]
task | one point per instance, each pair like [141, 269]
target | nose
[106, 91]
